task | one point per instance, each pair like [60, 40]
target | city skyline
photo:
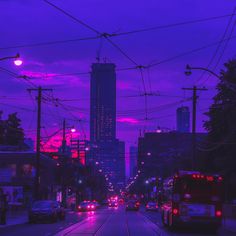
[48, 64]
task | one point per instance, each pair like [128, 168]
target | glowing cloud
[128, 120]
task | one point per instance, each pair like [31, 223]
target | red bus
[190, 197]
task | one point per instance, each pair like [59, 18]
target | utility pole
[194, 117]
[63, 166]
[64, 137]
[38, 141]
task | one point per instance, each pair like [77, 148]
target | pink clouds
[38, 74]
[128, 120]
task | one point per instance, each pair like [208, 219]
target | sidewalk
[229, 224]
[15, 218]
[229, 219]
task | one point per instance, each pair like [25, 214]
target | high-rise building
[104, 145]
[183, 119]
[133, 156]
[103, 103]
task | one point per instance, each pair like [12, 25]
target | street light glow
[73, 130]
[18, 62]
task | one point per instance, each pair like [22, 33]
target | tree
[2, 129]
[221, 125]
[14, 134]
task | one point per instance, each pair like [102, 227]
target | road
[105, 222]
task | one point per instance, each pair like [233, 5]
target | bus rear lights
[218, 213]
[220, 178]
[210, 178]
[175, 211]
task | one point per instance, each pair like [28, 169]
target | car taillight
[88, 206]
[220, 178]
[210, 178]
[79, 207]
[175, 211]
[92, 206]
[218, 213]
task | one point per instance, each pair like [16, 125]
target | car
[113, 204]
[121, 201]
[96, 204]
[48, 210]
[132, 205]
[151, 206]
[86, 206]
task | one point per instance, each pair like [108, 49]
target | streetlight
[17, 61]
[73, 130]
[189, 70]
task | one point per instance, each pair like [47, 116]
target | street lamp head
[188, 67]
[188, 72]
[73, 130]
[18, 62]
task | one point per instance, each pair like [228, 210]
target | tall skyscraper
[104, 145]
[183, 120]
[103, 103]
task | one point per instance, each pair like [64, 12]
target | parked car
[86, 206]
[151, 206]
[46, 210]
[132, 205]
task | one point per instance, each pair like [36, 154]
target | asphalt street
[106, 222]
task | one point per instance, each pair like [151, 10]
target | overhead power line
[73, 18]
[174, 24]
[218, 47]
[189, 52]
[171, 25]
[55, 42]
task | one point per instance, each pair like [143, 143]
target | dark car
[113, 204]
[96, 204]
[132, 205]
[86, 206]
[151, 206]
[46, 210]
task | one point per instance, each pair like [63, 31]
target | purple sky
[30, 21]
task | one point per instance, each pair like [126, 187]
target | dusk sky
[25, 22]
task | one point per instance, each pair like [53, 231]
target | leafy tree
[221, 125]
[2, 129]
[14, 133]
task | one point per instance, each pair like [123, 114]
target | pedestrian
[3, 207]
